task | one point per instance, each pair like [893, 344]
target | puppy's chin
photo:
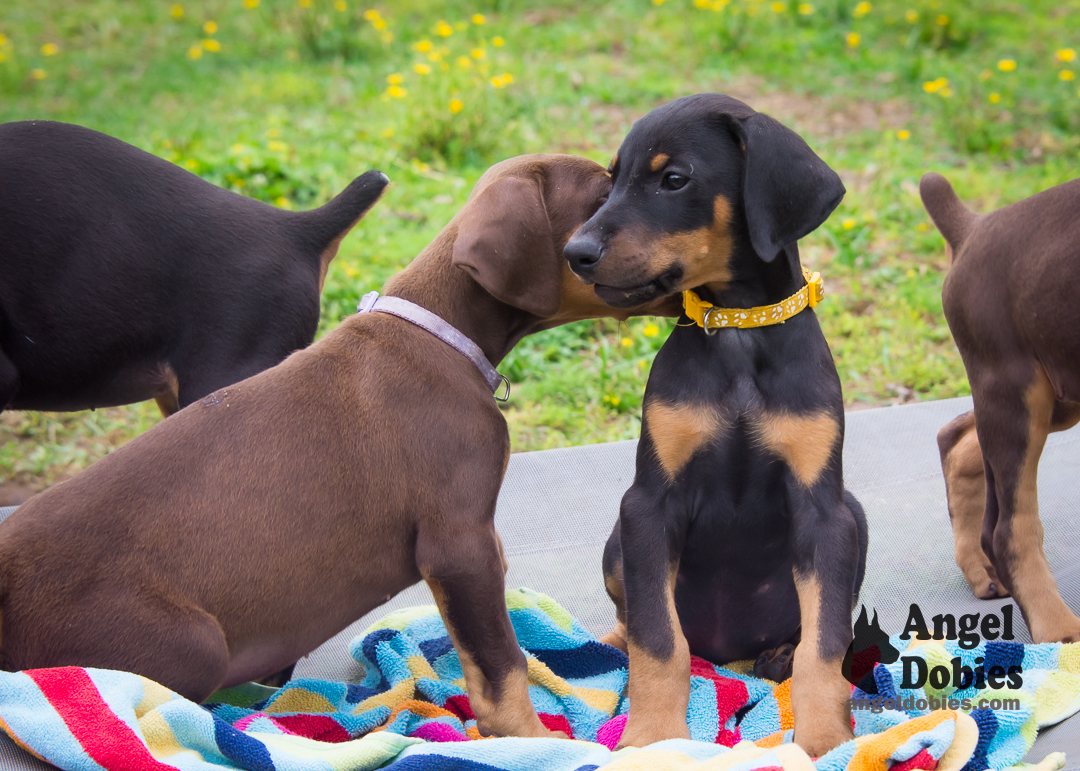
[628, 298]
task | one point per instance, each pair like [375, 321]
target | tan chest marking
[804, 442]
[678, 431]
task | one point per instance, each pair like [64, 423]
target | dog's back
[123, 276]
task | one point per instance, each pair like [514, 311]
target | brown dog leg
[1013, 423]
[965, 490]
[465, 574]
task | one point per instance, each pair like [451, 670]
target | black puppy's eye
[673, 181]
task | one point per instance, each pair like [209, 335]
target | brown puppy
[1010, 305]
[237, 536]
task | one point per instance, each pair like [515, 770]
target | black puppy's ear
[788, 191]
[504, 241]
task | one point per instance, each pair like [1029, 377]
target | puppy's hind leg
[613, 584]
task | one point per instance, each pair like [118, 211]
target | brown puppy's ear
[788, 191]
[504, 241]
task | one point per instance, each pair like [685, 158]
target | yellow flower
[922, 227]
[903, 135]
[478, 53]
[498, 42]
[38, 74]
[933, 86]
[50, 49]
[387, 132]
[177, 11]
[422, 69]
[911, 273]
[236, 149]
[478, 18]
[305, 3]
[386, 36]
[371, 14]
[497, 81]
[615, 399]
[434, 56]
[464, 62]
[994, 98]
[210, 28]
[703, 4]
[251, 3]
[642, 363]
[442, 29]
[507, 78]
[1066, 75]
[985, 75]
[651, 330]
[351, 272]
[861, 9]
[942, 20]
[276, 146]
[912, 16]
[805, 9]
[341, 6]
[853, 39]
[657, 2]
[211, 45]
[423, 46]
[848, 224]
[195, 52]
[379, 23]
[283, 202]
[191, 164]
[456, 106]
[627, 342]
[3, 39]
[1007, 65]
[778, 7]
[945, 92]
[397, 92]
[1066, 55]
[396, 79]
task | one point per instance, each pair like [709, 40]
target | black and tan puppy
[124, 277]
[241, 533]
[1010, 302]
[737, 531]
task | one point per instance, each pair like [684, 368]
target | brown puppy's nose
[583, 252]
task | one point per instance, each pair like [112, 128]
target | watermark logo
[871, 646]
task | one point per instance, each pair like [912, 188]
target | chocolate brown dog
[238, 535]
[737, 529]
[1009, 300]
[124, 277]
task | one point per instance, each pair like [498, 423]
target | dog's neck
[755, 282]
[434, 283]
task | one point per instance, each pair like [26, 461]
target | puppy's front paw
[983, 580]
[820, 736]
[642, 733]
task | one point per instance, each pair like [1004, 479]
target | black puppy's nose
[583, 252]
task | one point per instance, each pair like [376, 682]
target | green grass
[287, 101]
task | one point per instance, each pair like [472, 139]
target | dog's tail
[334, 219]
[945, 208]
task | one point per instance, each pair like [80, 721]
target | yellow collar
[710, 318]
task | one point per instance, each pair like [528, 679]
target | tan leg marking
[804, 442]
[1031, 581]
[658, 161]
[614, 585]
[678, 431]
[965, 490]
[502, 709]
[659, 690]
[819, 693]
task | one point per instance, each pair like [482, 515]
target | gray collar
[442, 330]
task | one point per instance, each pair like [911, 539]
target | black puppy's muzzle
[584, 252]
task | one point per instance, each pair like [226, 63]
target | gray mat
[557, 508]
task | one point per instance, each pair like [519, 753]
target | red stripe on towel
[105, 737]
